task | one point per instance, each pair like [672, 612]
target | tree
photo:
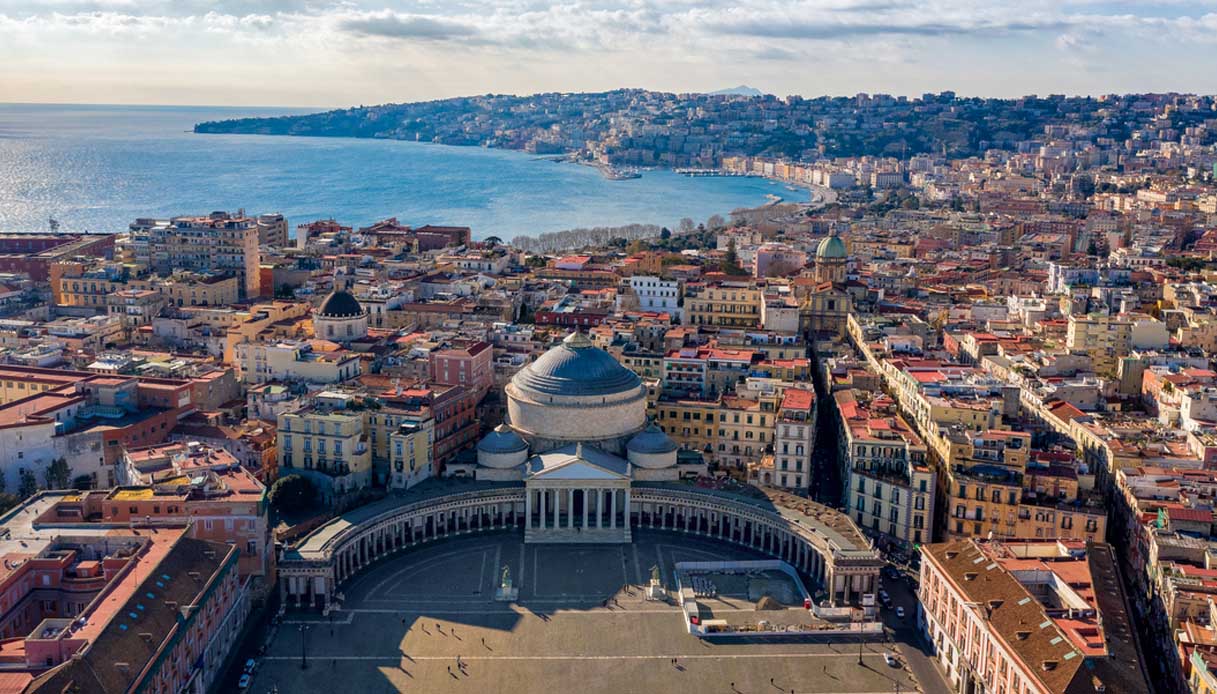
[292, 493]
[82, 482]
[58, 473]
[637, 246]
[665, 233]
[493, 241]
[716, 221]
[536, 261]
[8, 501]
[29, 483]
[730, 264]
[686, 226]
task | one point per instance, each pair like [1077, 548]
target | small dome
[503, 439]
[652, 441]
[576, 368]
[340, 304]
[831, 248]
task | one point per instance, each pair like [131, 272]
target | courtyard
[580, 624]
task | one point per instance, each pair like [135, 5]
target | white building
[655, 294]
[293, 360]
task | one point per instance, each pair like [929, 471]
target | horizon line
[319, 108]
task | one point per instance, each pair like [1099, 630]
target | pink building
[1029, 617]
[778, 260]
[464, 363]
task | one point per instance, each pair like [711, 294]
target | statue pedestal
[656, 591]
[506, 593]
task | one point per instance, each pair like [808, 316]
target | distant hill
[742, 90]
[636, 127]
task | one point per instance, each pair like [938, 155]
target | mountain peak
[742, 90]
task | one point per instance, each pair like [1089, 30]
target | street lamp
[303, 647]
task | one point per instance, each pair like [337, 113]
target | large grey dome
[340, 304]
[576, 367]
[651, 440]
[502, 439]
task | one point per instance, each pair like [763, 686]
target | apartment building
[327, 442]
[1107, 339]
[793, 439]
[657, 295]
[294, 360]
[730, 304]
[217, 242]
[889, 486]
[989, 485]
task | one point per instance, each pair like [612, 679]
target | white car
[884, 597]
[250, 665]
[245, 680]
[891, 662]
[900, 612]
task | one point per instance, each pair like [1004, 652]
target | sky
[331, 54]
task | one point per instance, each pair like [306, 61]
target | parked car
[245, 680]
[884, 597]
[250, 665]
[891, 661]
[900, 612]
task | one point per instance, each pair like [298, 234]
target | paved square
[405, 622]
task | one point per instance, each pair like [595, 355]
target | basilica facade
[577, 436]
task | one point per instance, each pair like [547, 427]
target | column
[570, 507]
[586, 503]
[528, 508]
[626, 505]
[553, 493]
[597, 495]
[613, 508]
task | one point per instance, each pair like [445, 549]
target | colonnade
[576, 507]
[310, 573]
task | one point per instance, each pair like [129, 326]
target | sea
[97, 168]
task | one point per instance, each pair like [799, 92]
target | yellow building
[727, 304]
[410, 454]
[1104, 338]
[645, 364]
[74, 284]
[745, 430]
[257, 318]
[328, 444]
[990, 488]
[689, 422]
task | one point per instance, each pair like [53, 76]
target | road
[907, 639]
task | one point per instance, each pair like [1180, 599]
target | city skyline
[298, 53]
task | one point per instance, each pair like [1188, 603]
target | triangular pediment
[578, 462]
[576, 470]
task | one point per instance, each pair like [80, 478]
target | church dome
[576, 368]
[502, 439]
[651, 440]
[831, 248]
[340, 304]
[651, 449]
[502, 449]
[576, 392]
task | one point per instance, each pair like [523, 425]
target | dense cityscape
[950, 426]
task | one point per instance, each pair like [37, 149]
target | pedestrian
[771, 681]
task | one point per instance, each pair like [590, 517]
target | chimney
[194, 575]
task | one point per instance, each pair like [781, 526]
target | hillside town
[990, 363]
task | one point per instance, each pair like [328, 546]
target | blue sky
[303, 52]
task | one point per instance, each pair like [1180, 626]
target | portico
[577, 493]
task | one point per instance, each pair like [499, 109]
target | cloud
[388, 24]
